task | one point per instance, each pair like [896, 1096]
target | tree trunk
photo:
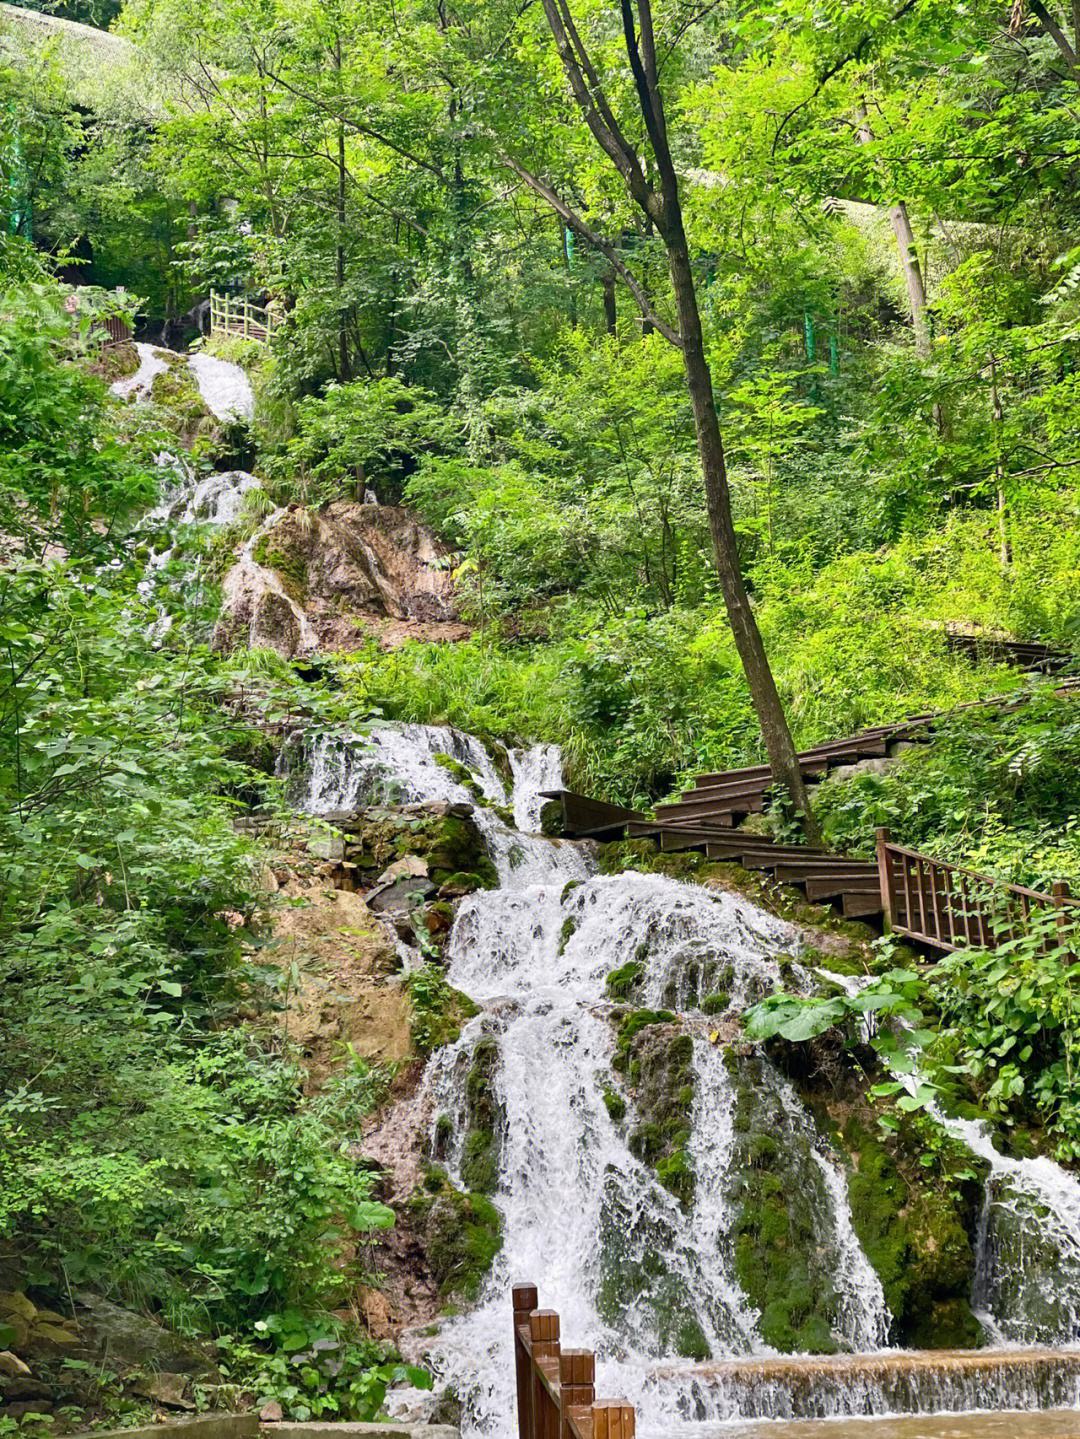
[344, 364]
[779, 746]
[611, 313]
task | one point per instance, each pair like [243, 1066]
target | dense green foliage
[152, 1145]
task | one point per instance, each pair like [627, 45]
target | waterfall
[225, 387]
[1027, 1256]
[535, 770]
[1027, 1261]
[635, 1272]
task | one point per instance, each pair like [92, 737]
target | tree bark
[611, 313]
[661, 206]
[775, 732]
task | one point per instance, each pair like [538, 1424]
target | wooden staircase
[708, 817]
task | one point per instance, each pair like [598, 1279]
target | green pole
[808, 333]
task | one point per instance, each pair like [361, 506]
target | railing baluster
[525, 1299]
[544, 1334]
[577, 1385]
[885, 877]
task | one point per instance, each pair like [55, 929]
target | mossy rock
[636, 1275]
[462, 775]
[485, 1119]
[625, 982]
[552, 823]
[175, 390]
[660, 1063]
[784, 1261]
[449, 841]
[461, 1233]
[272, 551]
[438, 1011]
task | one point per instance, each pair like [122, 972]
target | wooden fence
[950, 908]
[556, 1393]
[232, 316]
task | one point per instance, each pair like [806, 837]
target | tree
[661, 205]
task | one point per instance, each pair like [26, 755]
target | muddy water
[1056, 1424]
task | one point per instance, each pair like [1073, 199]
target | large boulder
[336, 577]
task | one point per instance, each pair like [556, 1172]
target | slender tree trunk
[998, 415]
[909, 255]
[779, 746]
[611, 313]
[661, 208]
[344, 364]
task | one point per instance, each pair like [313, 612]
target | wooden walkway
[925, 899]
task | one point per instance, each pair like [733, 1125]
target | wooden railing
[953, 908]
[232, 316]
[556, 1387]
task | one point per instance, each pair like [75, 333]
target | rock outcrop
[337, 577]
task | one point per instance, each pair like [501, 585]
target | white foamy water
[633, 1273]
[138, 385]
[1026, 1287]
[225, 387]
[535, 769]
[1027, 1263]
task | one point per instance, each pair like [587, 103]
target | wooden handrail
[231, 316]
[556, 1387]
[952, 908]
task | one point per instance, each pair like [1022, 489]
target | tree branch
[604, 247]
[594, 107]
[834, 70]
[1054, 30]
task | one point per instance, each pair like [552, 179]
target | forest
[628, 391]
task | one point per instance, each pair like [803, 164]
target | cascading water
[634, 1272]
[1027, 1254]
[1027, 1262]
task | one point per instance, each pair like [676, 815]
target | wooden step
[794, 871]
[752, 803]
[859, 905]
[827, 886]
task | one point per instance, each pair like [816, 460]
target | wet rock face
[461, 1233]
[1028, 1292]
[334, 578]
[658, 1061]
[780, 1203]
[443, 836]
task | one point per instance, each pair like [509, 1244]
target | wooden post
[525, 1299]
[577, 1385]
[544, 1336]
[883, 876]
[613, 1419]
[1061, 892]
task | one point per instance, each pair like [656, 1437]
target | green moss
[779, 1200]
[914, 1222]
[567, 932]
[630, 1025]
[624, 982]
[438, 1010]
[461, 1233]
[484, 1117]
[462, 775]
[661, 1069]
[450, 843]
[288, 564]
[614, 1103]
[718, 1002]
